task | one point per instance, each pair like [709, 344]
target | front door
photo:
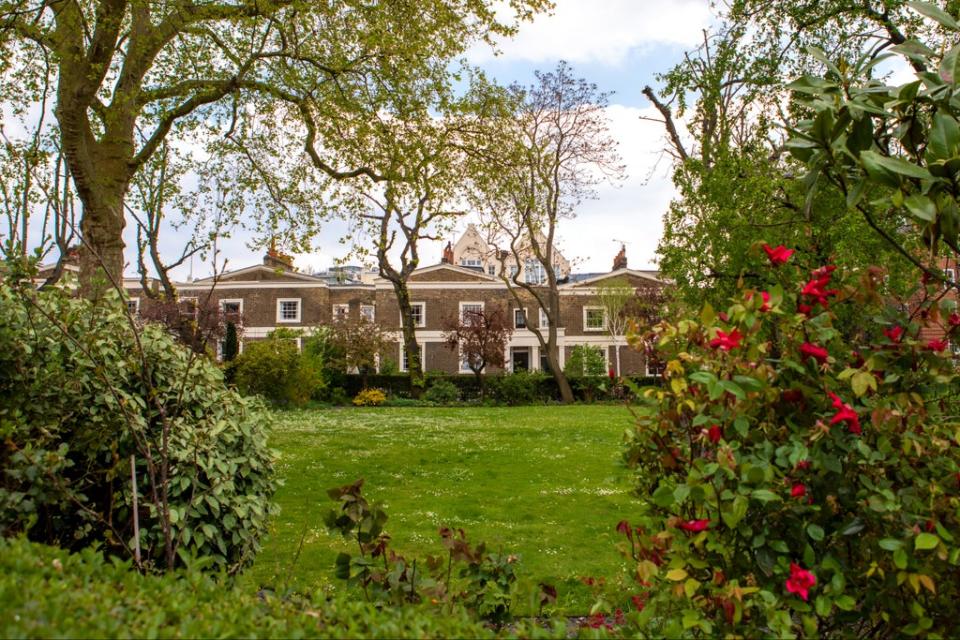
[520, 357]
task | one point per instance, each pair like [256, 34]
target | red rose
[954, 319]
[803, 465]
[778, 255]
[938, 345]
[894, 333]
[800, 581]
[714, 433]
[818, 353]
[805, 309]
[638, 602]
[798, 490]
[726, 341]
[695, 526]
[845, 413]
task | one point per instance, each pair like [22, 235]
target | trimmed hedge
[47, 592]
[398, 385]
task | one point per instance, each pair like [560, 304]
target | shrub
[586, 369]
[369, 398]
[442, 392]
[46, 592]
[82, 391]
[800, 482]
[515, 388]
[274, 368]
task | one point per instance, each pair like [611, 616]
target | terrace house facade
[273, 295]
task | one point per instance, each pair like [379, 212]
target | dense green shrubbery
[800, 482]
[47, 592]
[586, 368]
[276, 369]
[442, 392]
[81, 392]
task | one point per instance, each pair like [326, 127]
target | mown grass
[543, 482]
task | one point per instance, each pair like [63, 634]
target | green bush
[586, 368]
[798, 481]
[46, 592]
[442, 392]
[80, 393]
[275, 369]
[517, 388]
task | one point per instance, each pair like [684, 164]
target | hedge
[47, 592]
[398, 385]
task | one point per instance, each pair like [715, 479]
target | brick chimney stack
[277, 260]
[447, 254]
[620, 260]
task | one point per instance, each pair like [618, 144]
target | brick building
[273, 295]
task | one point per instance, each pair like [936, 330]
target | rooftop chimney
[620, 260]
[447, 254]
[277, 260]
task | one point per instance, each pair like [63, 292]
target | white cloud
[603, 31]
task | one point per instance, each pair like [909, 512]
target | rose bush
[797, 480]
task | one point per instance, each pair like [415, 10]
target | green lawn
[542, 482]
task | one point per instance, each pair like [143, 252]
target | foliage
[892, 151]
[231, 343]
[125, 82]
[197, 323]
[519, 387]
[442, 392]
[587, 368]
[480, 336]
[731, 171]
[47, 592]
[369, 398]
[357, 345]
[800, 481]
[82, 392]
[489, 578]
[274, 369]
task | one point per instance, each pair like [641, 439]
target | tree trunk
[553, 359]
[414, 366]
[101, 171]
[616, 351]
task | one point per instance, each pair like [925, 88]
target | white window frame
[523, 314]
[423, 314]
[423, 356]
[514, 269]
[950, 275]
[544, 320]
[491, 270]
[281, 319]
[136, 306]
[472, 304]
[370, 317]
[463, 366]
[603, 327]
[471, 262]
[225, 301]
[336, 316]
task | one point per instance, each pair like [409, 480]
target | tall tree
[131, 74]
[358, 346]
[722, 110]
[549, 154]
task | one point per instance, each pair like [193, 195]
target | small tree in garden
[798, 482]
[587, 368]
[615, 296]
[481, 337]
[357, 345]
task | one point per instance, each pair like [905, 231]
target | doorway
[520, 358]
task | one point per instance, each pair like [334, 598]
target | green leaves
[935, 13]
[889, 170]
[926, 541]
